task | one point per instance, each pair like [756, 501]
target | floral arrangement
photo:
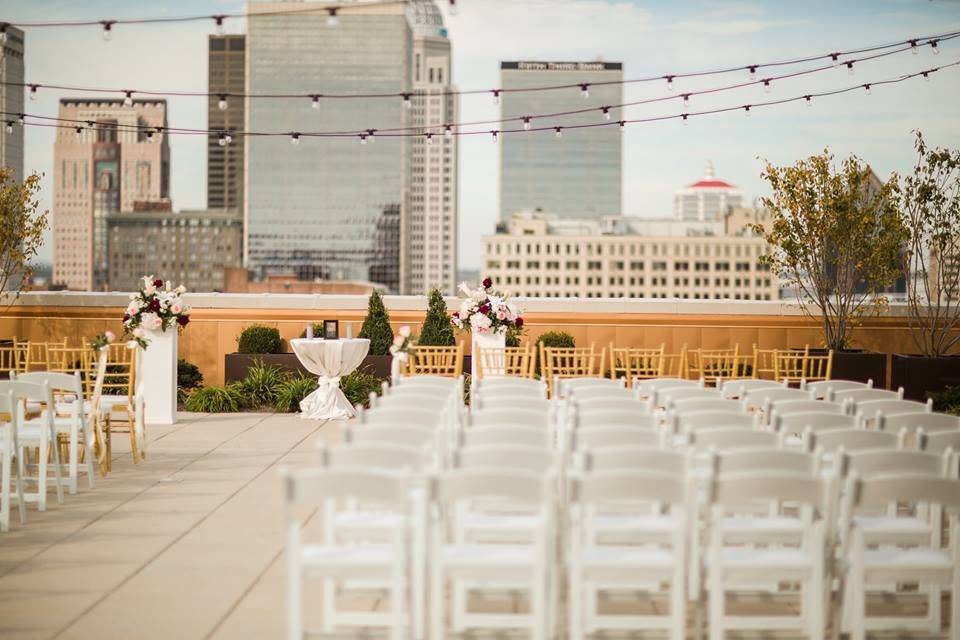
[486, 310]
[156, 307]
[101, 341]
[403, 342]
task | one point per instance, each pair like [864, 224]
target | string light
[294, 138]
[926, 76]
[495, 136]
[606, 113]
[914, 49]
[128, 99]
[222, 102]
[33, 91]
[496, 96]
[835, 58]
[670, 86]
[107, 29]
[218, 24]
[559, 131]
[227, 138]
[585, 91]
[406, 100]
[9, 126]
[766, 85]
[78, 132]
[684, 121]
[686, 100]
[850, 67]
[315, 101]
[149, 135]
[809, 100]
[746, 110]
[429, 137]
[526, 123]
[448, 131]
[371, 136]
[453, 7]
[3, 31]
[332, 19]
[20, 119]
[753, 72]
[623, 125]
[868, 89]
[934, 47]
[363, 138]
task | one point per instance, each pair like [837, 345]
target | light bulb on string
[222, 140]
[218, 25]
[332, 19]
[766, 86]
[495, 136]
[868, 89]
[914, 49]
[448, 131]
[228, 137]
[222, 102]
[670, 86]
[559, 131]
[294, 138]
[370, 135]
[623, 125]
[606, 113]
[149, 135]
[684, 119]
[315, 101]
[33, 91]
[809, 100]
[407, 102]
[78, 132]
[429, 137]
[850, 68]
[453, 7]
[585, 91]
[496, 96]
[20, 119]
[128, 99]
[835, 59]
[3, 31]
[107, 29]
[934, 48]
[753, 72]
[926, 76]
[9, 126]
[686, 100]
[363, 138]
[746, 110]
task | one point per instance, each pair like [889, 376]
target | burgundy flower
[487, 283]
[126, 317]
[518, 322]
[456, 314]
[154, 305]
[183, 320]
[485, 307]
[158, 282]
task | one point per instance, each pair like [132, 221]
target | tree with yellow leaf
[21, 232]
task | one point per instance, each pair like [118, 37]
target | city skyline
[658, 159]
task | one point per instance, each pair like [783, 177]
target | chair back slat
[636, 364]
[436, 361]
[509, 361]
[558, 363]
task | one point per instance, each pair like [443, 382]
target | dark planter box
[236, 364]
[860, 366]
[921, 376]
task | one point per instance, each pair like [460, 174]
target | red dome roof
[712, 183]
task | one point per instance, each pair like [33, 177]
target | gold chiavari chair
[557, 363]
[119, 389]
[819, 367]
[11, 358]
[790, 365]
[36, 354]
[712, 364]
[510, 361]
[64, 359]
[675, 364]
[764, 367]
[436, 361]
[636, 364]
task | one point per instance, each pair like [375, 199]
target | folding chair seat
[822, 389]
[733, 438]
[857, 439]
[787, 407]
[916, 420]
[735, 389]
[803, 423]
[338, 561]
[474, 565]
[596, 567]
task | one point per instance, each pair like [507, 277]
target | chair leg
[715, 598]
[42, 476]
[857, 612]
[678, 607]
[329, 605]
[133, 438]
[21, 474]
[57, 465]
[955, 605]
[459, 606]
[5, 489]
[436, 599]
[74, 461]
[538, 605]
[397, 600]
[575, 605]
[294, 602]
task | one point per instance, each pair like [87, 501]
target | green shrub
[228, 399]
[358, 385]
[260, 385]
[437, 330]
[317, 330]
[291, 391]
[560, 339]
[376, 326]
[947, 401]
[188, 375]
[512, 339]
[259, 339]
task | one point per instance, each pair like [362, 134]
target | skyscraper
[11, 100]
[103, 167]
[576, 175]
[226, 68]
[432, 226]
[707, 199]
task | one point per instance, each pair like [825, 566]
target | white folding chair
[663, 397]
[742, 564]
[509, 456]
[603, 392]
[614, 417]
[941, 441]
[709, 420]
[69, 419]
[39, 434]
[337, 560]
[856, 439]
[595, 568]
[859, 395]
[573, 385]
[404, 415]
[821, 389]
[733, 438]
[931, 566]
[815, 422]
[762, 398]
[589, 405]
[509, 385]
[507, 435]
[398, 434]
[497, 417]
[615, 436]
[374, 455]
[915, 420]
[428, 381]
[515, 403]
[646, 388]
[9, 451]
[701, 405]
[787, 407]
[736, 389]
[477, 565]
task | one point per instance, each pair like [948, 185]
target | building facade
[193, 248]
[318, 209]
[579, 174]
[546, 256]
[226, 75]
[432, 223]
[11, 100]
[707, 199]
[115, 160]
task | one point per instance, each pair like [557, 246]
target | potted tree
[930, 205]
[836, 237]
[376, 329]
[259, 345]
[22, 226]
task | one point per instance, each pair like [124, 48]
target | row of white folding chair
[861, 394]
[568, 386]
[822, 388]
[736, 389]
[646, 388]
[491, 390]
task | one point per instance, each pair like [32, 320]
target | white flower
[168, 286]
[465, 289]
[133, 308]
[480, 322]
[180, 290]
[133, 296]
[151, 321]
[501, 314]
[149, 289]
[110, 336]
[405, 331]
[398, 341]
[132, 344]
[139, 332]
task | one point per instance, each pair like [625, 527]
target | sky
[650, 37]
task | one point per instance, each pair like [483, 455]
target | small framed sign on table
[331, 329]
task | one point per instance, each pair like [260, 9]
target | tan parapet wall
[217, 320]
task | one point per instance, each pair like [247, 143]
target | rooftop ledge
[575, 305]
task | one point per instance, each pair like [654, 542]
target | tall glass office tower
[579, 174]
[331, 207]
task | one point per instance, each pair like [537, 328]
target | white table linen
[329, 360]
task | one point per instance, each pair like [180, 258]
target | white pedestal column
[495, 363]
[158, 377]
